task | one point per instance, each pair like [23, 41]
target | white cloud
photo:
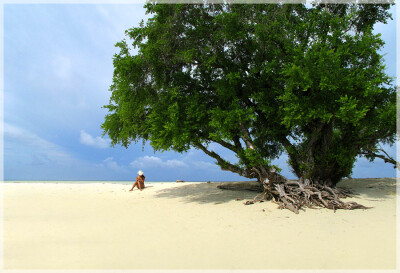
[174, 163]
[98, 142]
[110, 163]
[25, 144]
[206, 165]
[153, 161]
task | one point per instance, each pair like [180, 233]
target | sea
[125, 182]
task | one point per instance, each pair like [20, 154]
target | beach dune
[191, 226]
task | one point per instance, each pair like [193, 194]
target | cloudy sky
[57, 72]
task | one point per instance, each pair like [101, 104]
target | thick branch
[225, 144]
[233, 147]
[246, 136]
[225, 165]
[282, 138]
[286, 143]
[236, 140]
[386, 157]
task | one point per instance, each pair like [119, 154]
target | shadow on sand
[378, 188]
[203, 193]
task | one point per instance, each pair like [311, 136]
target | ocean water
[90, 182]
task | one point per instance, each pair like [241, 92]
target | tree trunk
[320, 160]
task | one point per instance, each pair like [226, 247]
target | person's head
[140, 173]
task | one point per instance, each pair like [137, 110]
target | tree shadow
[204, 193]
[378, 188]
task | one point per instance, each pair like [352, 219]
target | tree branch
[285, 142]
[385, 157]
[236, 140]
[246, 136]
[225, 165]
[225, 144]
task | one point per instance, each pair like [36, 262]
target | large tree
[258, 80]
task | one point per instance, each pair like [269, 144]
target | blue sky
[57, 72]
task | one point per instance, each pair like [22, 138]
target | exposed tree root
[293, 195]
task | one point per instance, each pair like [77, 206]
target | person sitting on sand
[139, 181]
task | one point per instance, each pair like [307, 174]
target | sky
[57, 73]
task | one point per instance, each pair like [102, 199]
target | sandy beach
[191, 226]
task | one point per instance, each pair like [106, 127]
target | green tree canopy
[259, 80]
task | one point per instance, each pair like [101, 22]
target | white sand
[191, 226]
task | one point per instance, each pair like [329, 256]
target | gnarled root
[295, 195]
